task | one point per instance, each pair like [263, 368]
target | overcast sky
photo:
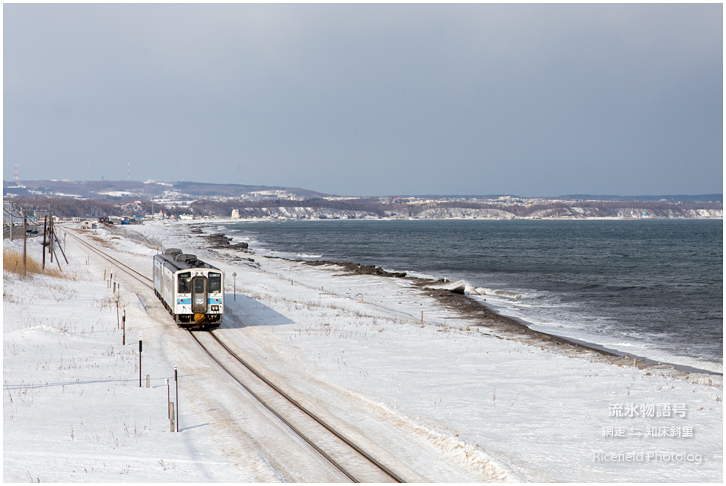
[370, 99]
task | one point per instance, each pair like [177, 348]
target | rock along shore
[479, 314]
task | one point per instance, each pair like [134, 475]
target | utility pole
[25, 242]
[45, 227]
[50, 223]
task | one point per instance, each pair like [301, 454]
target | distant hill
[113, 190]
[100, 190]
[130, 198]
[702, 198]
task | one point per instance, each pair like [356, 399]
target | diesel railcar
[190, 289]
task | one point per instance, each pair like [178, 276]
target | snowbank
[436, 396]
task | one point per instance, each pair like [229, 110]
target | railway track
[324, 439]
[144, 279]
[342, 454]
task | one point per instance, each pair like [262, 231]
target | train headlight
[215, 308]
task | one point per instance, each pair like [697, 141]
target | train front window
[215, 282]
[185, 283]
[199, 286]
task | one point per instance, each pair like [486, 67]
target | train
[190, 289]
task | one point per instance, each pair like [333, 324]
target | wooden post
[45, 227]
[140, 348]
[123, 328]
[168, 399]
[176, 382]
[148, 381]
[172, 424]
[50, 225]
[25, 242]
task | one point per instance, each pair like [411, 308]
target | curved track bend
[333, 446]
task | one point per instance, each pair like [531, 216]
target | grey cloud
[370, 99]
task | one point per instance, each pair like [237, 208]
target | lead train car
[190, 289]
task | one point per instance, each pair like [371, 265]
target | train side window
[215, 282]
[184, 283]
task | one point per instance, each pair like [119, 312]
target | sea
[646, 288]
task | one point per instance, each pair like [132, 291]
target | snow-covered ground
[438, 400]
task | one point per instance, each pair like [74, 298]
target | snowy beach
[438, 392]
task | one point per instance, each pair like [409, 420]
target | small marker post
[176, 409]
[140, 348]
[234, 279]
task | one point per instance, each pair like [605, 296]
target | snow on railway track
[346, 457]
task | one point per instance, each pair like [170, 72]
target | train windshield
[185, 280]
[215, 282]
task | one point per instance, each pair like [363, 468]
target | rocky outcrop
[358, 269]
[220, 241]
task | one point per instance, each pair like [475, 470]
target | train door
[199, 295]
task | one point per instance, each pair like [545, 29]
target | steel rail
[145, 280]
[307, 412]
[275, 413]
[134, 273]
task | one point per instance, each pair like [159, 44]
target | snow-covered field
[440, 400]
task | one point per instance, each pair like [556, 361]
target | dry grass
[13, 262]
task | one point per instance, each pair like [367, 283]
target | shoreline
[436, 401]
[491, 319]
[484, 315]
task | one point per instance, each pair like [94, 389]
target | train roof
[182, 261]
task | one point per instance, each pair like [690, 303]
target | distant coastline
[191, 200]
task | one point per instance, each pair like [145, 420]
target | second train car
[190, 289]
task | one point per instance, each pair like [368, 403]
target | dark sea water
[651, 288]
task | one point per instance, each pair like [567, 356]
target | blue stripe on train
[189, 301]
